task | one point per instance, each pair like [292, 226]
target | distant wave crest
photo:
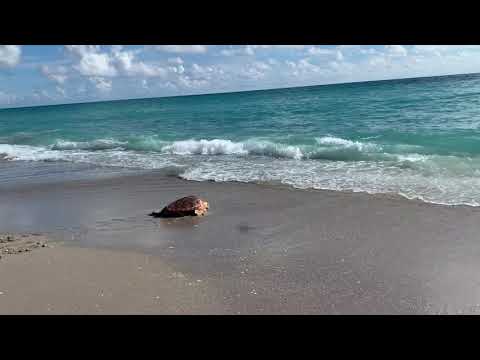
[325, 148]
[100, 144]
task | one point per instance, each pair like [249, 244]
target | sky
[54, 74]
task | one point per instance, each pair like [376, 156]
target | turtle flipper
[163, 213]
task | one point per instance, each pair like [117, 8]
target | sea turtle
[186, 206]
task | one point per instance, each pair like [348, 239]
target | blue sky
[41, 74]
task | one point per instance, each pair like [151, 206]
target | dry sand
[56, 279]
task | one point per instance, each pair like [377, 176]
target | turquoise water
[419, 138]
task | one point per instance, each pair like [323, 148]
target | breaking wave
[328, 148]
[325, 162]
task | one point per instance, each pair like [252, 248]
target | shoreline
[261, 249]
[131, 174]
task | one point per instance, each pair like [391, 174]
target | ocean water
[419, 138]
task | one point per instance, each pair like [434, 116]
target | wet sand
[261, 250]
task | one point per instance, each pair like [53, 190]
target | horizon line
[234, 92]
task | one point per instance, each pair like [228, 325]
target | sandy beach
[262, 249]
[66, 280]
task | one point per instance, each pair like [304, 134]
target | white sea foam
[111, 157]
[413, 157]
[205, 147]
[357, 166]
[228, 147]
[99, 144]
[370, 177]
[28, 153]
[345, 143]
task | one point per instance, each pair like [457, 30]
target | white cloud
[101, 84]
[96, 65]
[396, 50]
[316, 50]
[190, 82]
[342, 68]
[7, 99]
[253, 73]
[289, 46]
[339, 56]
[167, 85]
[175, 60]
[58, 74]
[243, 50]
[261, 65]
[192, 49]
[368, 51]
[377, 61]
[236, 51]
[349, 47]
[9, 55]
[443, 50]
[199, 76]
[82, 49]
[126, 64]
[256, 70]
[42, 95]
[251, 49]
[177, 69]
[299, 47]
[91, 62]
[207, 71]
[335, 65]
[305, 64]
[272, 61]
[435, 50]
[60, 90]
[229, 52]
[303, 67]
[117, 48]
[198, 69]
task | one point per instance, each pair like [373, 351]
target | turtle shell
[187, 203]
[186, 206]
